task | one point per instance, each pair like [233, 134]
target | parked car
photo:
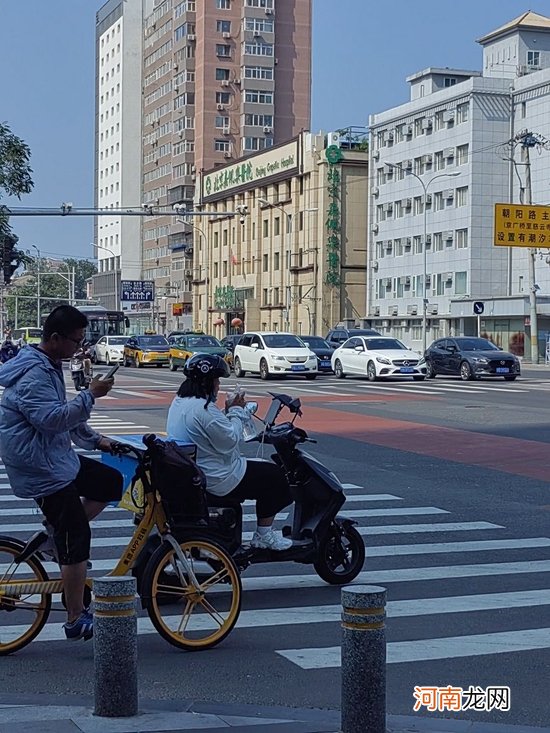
[182, 347]
[271, 354]
[470, 358]
[109, 349]
[338, 336]
[378, 357]
[144, 350]
[322, 350]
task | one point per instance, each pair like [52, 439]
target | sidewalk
[58, 714]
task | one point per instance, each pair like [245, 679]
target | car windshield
[384, 344]
[152, 341]
[199, 341]
[316, 342]
[117, 340]
[475, 344]
[283, 341]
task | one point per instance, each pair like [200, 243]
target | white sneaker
[270, 541]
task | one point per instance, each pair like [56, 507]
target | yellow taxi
[145, 350]
[184, 346]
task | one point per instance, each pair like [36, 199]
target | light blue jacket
[37, 425]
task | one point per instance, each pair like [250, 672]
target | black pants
[64, 511]
[264, 482]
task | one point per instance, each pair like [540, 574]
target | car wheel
[311, 376]
[238, 371]
[94, 358]
[430, 371]
[419, 377]
[107, 359]
[510, 378]
[371, 372]
[338, 371]
[466, 373]
[125, 362]
[173, 366]
[264, 370]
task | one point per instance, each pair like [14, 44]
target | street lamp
[289, 227]
[38, 288]
[425, 187]
[206, 254]
[110, 251]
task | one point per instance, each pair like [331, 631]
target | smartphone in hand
[111, 373]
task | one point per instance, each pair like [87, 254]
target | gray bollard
[115, 647]
[363, 659]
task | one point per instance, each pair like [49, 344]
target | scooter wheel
[341, 554]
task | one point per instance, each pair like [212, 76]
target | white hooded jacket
[217, 436]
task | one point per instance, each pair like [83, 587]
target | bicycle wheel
[23, 613]
[192, 615]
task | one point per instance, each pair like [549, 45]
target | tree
[83, 271]
[15, 172]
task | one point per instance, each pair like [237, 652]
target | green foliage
[83, 271]
[15, 172]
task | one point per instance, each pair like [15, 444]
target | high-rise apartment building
[118, 144]
[182, 87]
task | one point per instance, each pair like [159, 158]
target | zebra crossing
[415, 551]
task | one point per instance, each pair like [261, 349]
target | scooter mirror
[251, 407]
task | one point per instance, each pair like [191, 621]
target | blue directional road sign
[479, 307]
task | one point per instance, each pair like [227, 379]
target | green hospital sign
[253, 170]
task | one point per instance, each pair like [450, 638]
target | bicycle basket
[179, 481]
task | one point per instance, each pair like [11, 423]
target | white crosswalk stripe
[411, 548]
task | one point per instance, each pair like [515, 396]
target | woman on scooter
[194, 418]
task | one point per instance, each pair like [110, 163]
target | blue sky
[362, 52]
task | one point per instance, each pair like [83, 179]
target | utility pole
[529, 141]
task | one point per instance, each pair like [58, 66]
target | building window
[223, 26]
[265, 228]
[462, 154]
[438, 242]
[222, 97]
[258, 72]
[259, 120]
[222, 74]
[223, 4]
[265, 264]
[224, 266]
[265, 293]
[461, 283]
[462, 196]
[255, 96]
[222, 146]
[398, 247]
[260, 3]
[417, 245]
[257, 143]
[533, 59]
[223, 51]
[449, 81]
[439, 163]
[418, 205]
[276, 259]
[215, 269]
[258, 49]
[461, 238]
[439, 204]
[221, 121]
[462, 112]
[276, 226]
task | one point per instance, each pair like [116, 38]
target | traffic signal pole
[527, 142]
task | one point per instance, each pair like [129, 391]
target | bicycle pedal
[36, 541]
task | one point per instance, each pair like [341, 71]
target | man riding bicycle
[37, 428]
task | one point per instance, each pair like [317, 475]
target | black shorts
[64, 510]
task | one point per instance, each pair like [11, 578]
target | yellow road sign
[518, 225]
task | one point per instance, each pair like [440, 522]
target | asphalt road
[448, 482]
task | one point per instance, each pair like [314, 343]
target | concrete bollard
[363, 659]
[115, 647]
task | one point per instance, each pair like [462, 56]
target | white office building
[438, 164]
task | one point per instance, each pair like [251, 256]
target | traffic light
[10, 258]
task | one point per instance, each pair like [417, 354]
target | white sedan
[377, 357]
[109, 349]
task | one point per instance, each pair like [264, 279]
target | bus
[103, 322]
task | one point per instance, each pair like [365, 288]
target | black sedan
[470, 358]
[322, 350]
[231, 341]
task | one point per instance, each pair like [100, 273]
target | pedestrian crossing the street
[435, 565]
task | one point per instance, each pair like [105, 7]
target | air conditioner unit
[449, 153]
[188, 273]
[269, 11]
[448, 235]
[387, 282]
[388, 244]
[333, 138]
[408, 242]
[448, 277]
[428, 159]
[388, 207]
[408, 130]
[428, 280]
[427, 123]
[385, 324]
[406, 203]
[191, 37]
[407, 281]
[375, 265]
[175, 67]
[449, 115]
[375, 191]
[390, 135]
[408, 164]
[227, 154]
[225, 34]
[376, 155]
[220, 107]
[433, 309]
[268, 130]
[257, 34]
[412, 310]
[449, 194]
[176, 89]
[394, 310]
[225, 82]
[238, 80]
[180, 133]
[428, 199]
[428, 238]
[375, 228]
[376, 310]
[226, 130]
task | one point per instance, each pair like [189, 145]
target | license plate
[325, 363]
[502, 370]
[297, 367]
[406, 370]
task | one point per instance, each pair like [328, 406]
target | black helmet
[209, 366]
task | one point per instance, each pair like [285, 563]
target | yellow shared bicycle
[190, 587]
